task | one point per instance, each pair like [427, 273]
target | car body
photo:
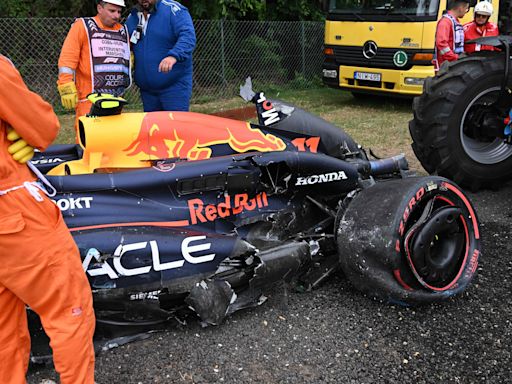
[175, 211]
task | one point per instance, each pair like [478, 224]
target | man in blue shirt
[163, 39]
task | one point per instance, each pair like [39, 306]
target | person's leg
[14, 338]
[150, 101]
[43, 269]
[176, 97]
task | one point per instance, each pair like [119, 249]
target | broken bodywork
[175, 211]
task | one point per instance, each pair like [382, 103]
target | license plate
[367, 76]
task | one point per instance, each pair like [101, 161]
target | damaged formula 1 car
[175, 211]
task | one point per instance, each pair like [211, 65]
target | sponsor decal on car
[167, 135]
[232, 205]
[323, 178]
[74, 203]
[46, 161]
[269, 114]
[189, 247]
[153, 295]
[164, 166]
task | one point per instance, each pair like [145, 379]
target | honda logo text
[324, 178]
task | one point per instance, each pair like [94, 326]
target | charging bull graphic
[190, 135]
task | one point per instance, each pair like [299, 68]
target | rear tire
[409, 241]
[441, 140]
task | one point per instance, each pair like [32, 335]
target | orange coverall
[39, 262]
[76, 55]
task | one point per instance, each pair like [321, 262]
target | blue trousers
[173, 98]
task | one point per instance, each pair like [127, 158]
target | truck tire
[440, 132]
[409, 241]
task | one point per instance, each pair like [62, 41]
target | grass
[377, 123]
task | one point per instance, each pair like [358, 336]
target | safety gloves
[19, 149]
[68, 95]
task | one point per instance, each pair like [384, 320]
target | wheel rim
[484, 152]
[437, 245]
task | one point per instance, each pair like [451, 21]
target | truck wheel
[444, 139]
[409, 241]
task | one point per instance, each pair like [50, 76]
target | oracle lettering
[118, 269]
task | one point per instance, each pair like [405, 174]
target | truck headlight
[414, 80]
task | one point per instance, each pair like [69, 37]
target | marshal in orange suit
[95, 57]
[40, 264]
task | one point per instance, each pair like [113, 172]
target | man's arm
[68, 62]
[70, 53]
[186, 42]
[443, 45]
[26, 112]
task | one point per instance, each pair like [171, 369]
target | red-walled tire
[409, 241]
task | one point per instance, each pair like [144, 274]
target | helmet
[484, 8]
[115, 2]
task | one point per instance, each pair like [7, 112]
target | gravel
[334, 334]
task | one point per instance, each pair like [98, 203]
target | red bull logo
[190, 135]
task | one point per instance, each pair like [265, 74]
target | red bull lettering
[201, 213]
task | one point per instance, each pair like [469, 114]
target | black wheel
[409, 241]
[449, 135]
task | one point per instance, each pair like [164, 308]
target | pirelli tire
[441, 142]
[409, 241]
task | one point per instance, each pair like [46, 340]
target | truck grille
[353, 56]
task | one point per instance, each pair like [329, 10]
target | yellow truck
[382, 46]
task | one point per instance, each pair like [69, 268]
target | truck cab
[382, 46]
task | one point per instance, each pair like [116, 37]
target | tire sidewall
[371, 235]
[417, 196]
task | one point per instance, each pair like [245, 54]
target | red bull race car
[178, 212]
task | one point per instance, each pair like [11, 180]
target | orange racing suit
[75, 62]
[40, 264]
